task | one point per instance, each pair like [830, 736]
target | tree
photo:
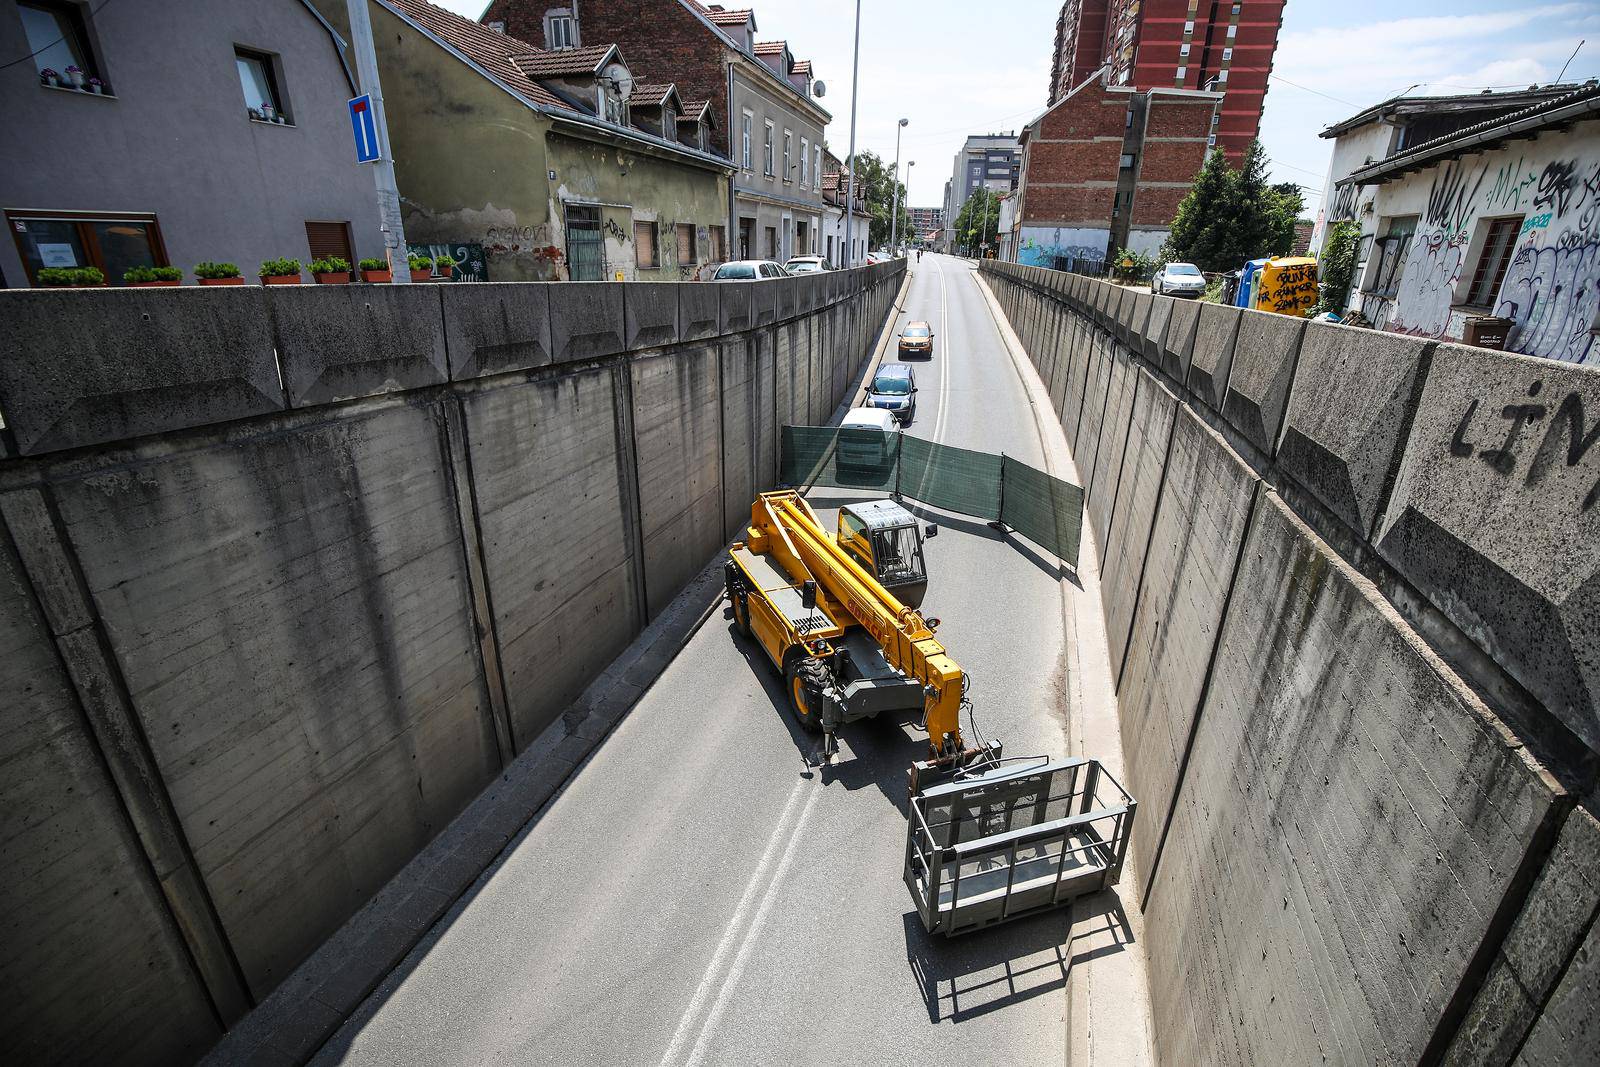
[978, 222]
[876, 181]
[1231, 216]
[1336, 268]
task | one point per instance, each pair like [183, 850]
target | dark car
[894, 389]
[917, 340]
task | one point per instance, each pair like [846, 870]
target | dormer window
[560, 29]
[669, 121]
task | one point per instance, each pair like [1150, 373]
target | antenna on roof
[1568, 63]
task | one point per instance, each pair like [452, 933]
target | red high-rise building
[1183, 44]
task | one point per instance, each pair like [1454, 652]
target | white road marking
[729, 945]
[698, 1054]
[944, 368]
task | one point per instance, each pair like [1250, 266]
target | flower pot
[377, 275]
[221, 281]
[76, 78]
[341, 277]
[444, 272]
[280, 279]
[151, 285]
[421, 275]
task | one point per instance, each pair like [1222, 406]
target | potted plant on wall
[376, 270]
[49, 77]
[331, 271]
[421, 267]
[280, 272]
[77, 277]
[76, 77]
[446, 265]
[211, 273]
[144, 277]
[97, 86]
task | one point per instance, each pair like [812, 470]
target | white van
[864, 438]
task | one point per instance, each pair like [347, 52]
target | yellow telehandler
[837, 613]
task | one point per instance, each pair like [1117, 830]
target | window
[1222, 75]
[772, 242]
[788, 155]
[816, 163]
[1126, 163]
[585, 253]
[1211, 141]
[560, 29]
[57, 37]
[805, 162]
[1497, 250]
[259, 80]
[745, 156]
[1227, 55]
[1188, 26]
[1183, 51]
[1392, 249]
[766, 157]
[611, 106]
[1232, 32]
[1183, 72]
[644, 245]
[112, 242]
[669, 123]
[685, 244]
[719, 243]
[325, 240]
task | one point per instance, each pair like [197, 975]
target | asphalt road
[702, 894]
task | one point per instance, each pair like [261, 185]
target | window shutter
[644, 244]
[685, 245]
[329, 239]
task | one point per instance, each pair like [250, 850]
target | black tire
[738, 598]
[805, 680]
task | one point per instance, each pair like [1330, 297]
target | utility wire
[52, 44]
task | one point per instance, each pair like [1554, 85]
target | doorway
[585, 256]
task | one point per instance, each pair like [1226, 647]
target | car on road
[806, 265]
[748, 270]
[864, 441]
[1179, 279]
[916, 340]
[894, 389]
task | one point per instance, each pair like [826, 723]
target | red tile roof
[802, 66]
[771, 48]
[729, 18]
[695, 110]
[490, 50]
[650, 95]
[564, 63]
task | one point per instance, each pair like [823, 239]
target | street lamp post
[850, 184]
[894, 215]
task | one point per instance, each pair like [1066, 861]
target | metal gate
[586, 258]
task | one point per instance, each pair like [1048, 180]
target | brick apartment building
[1105, 167]
[1181, 44]
[770, 125]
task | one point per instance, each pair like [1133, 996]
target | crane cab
[886, 541]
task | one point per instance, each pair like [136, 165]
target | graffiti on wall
[1551, 287]
[1566, 440]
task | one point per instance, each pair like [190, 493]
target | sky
[950, 74]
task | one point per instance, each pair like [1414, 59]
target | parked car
[876, 257]
[864, 440]
[916, 340]
[806, 265]
[894, 389]
[1179, 279]
[748, 270]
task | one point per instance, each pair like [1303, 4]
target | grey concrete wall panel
[1136, 315]
[94, 968]
[1200, 524]
[1213, 352]
[586, 320]
[1068, 357]
[491, 327]
[764, 301]
[86, 366]
[1177, 347]
[1264, 356]
[736, 304]
[1350, 823]
[787, 294]
[291, 614]
[741, 430]
[558, 539]
[339, 342]
[1568, 1033]
[794, 379]
[764, 348]
[698, 311]
[1122, 553]
[1087, 445]
[1348, 416]
[1102, 483]
[1077, 378]
[809, 288]
[1155, 328]
[677, 429]
[650, 313]
[1530, 962]
[1495, 518]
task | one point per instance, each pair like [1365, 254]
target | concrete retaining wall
[1351, 584]
[287, 578]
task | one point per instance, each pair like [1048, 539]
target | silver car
[748, 270]
[1179, 279]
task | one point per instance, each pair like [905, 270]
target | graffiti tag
[1566, 428]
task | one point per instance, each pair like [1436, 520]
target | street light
[894, 216]
[850, 184]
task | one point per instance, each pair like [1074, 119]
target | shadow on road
[963, 978]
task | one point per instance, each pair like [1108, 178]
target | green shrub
[331, 265]
[420, 262]
[274, 267]
[444, 261]
[209, 269]
[139, 274]
[168, 274]
[374, 264]
[1336, 267]
[88, 276]
[57, 275]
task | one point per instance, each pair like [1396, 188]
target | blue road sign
[365, 127]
